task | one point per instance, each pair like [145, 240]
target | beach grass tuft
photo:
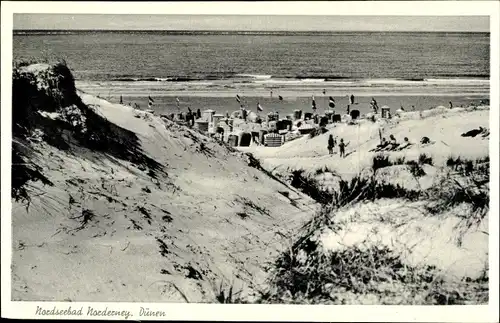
[52, 90]
[425, 159]
[380, 161]
[357, 275]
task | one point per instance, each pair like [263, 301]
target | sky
[251, 22]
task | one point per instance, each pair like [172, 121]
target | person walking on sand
[374, 105]
[188, 117]
[331, 144]
[342, 146]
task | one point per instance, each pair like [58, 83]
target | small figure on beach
[271, 93]
[280, 97]
[189, 116]
[331, 144]
[198, 114]
[412, 108]
[393, 142]
[374, 105]
[324, 91]
[383, 144]
[121, 99]
[352, 99]
[406, 144]
[342, 146]
[450, 105]
[425, 140]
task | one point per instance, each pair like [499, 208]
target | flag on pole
[331, 103]
[259, 107]
[238, 98]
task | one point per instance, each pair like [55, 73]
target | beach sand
[207, 219]
[166, 104]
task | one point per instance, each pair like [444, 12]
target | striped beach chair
[273, 140]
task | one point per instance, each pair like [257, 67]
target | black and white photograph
[249, 158]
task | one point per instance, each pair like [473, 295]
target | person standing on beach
[244, 113]
[374, 105]
[352, 99]
[271, 93]
[198, 114]
[188, 117]
[331, 144]
[342, 146]
[451, 105]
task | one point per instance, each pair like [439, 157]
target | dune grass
[77, 122]
[306, 274]
[354, 275]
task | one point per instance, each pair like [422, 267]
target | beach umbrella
[331, 103]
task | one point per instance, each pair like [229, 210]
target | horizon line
[247, 31]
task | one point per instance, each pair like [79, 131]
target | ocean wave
[255, 76]
[271, 79]
[154, 79]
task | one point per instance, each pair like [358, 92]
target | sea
[281, 71]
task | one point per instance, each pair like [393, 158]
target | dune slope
[120, 205]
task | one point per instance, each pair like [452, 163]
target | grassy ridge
[306, 274]
[51, 89]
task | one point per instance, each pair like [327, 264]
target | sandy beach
[228, 103]
[164, 162]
